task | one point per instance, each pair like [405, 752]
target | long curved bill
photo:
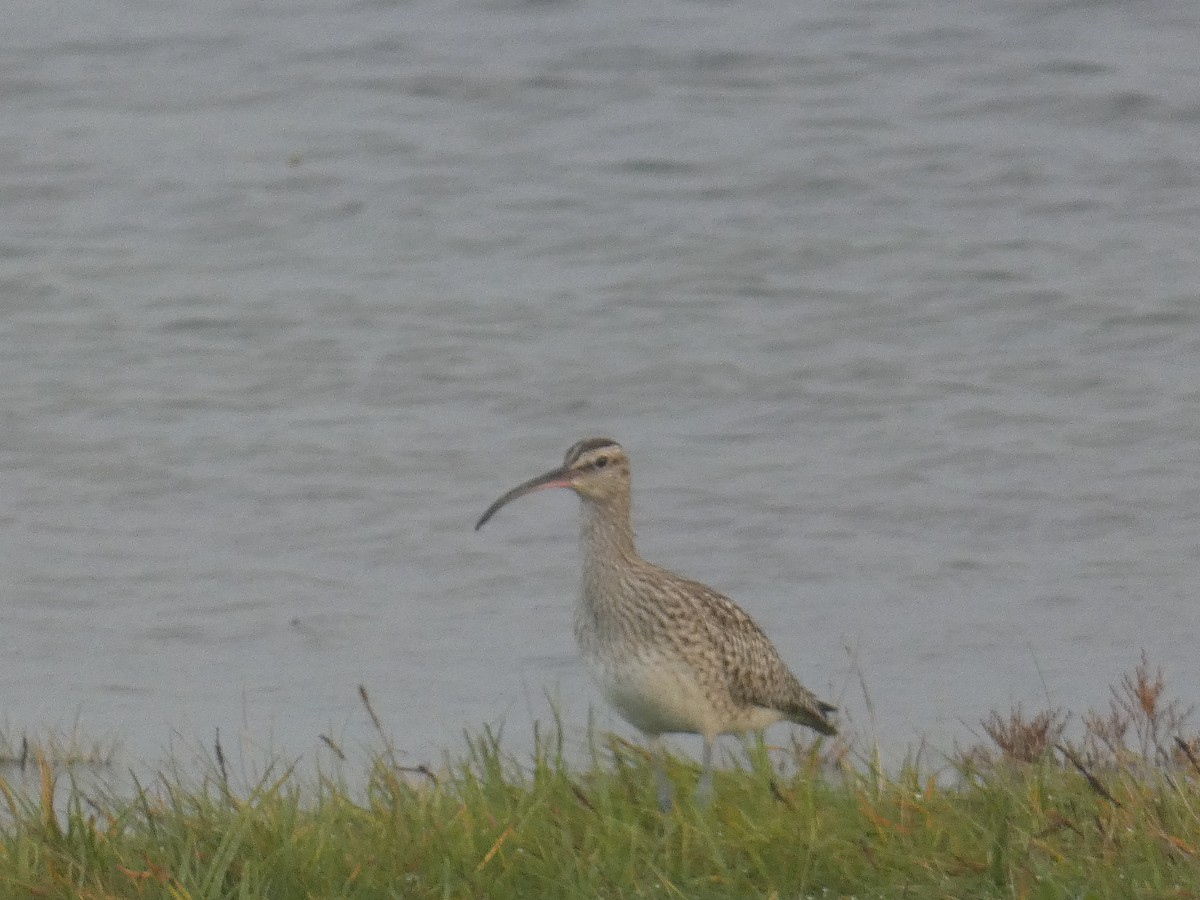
[560, 477]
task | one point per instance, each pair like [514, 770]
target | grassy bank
[1113, 811]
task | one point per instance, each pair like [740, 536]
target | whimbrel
[670, 654]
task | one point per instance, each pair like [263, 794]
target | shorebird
[670, 654]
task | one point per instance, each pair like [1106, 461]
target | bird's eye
[601, 462]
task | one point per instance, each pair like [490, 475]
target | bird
[671, 655]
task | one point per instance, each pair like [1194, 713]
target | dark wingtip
[818, 718]
[827, 709]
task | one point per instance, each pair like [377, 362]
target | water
[894, 305]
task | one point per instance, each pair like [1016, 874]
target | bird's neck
[606, 536]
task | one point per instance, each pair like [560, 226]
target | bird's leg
[666, 792]
[704, 790]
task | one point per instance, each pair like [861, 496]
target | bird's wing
[756, 674]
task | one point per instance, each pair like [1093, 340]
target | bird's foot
[666, 791]
[704, 790]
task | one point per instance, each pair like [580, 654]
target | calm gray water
[896, 306]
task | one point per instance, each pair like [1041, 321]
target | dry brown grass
[1140, 726]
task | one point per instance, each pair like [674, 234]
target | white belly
[656, 695]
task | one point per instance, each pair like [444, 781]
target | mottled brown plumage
[671, 654]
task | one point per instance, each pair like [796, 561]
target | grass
[1030, 813]
[70, 748]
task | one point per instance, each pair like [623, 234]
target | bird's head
[597, 469]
